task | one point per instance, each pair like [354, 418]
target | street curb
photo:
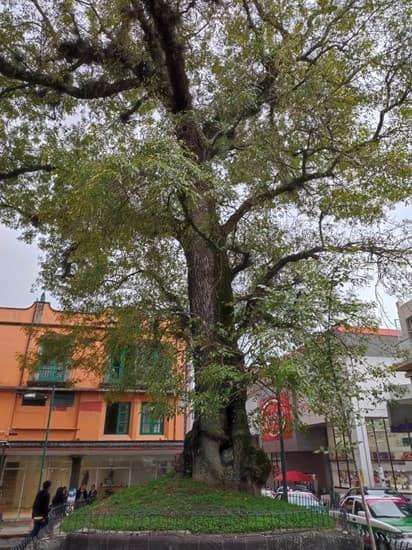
[296, 540]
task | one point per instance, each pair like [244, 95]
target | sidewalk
[11, 529]
[12, 532]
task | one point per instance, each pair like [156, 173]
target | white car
[390, 519]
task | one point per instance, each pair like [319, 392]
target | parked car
[376, 492]
[390, 519]
[267, 493]
[295, 487]
[303, 498]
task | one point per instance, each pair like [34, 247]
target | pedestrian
[81, 496]
[59, 502]
[40, 510]
[59, 498]
[92, 494]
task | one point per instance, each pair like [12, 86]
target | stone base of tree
[280, 540]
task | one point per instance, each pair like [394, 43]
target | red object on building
[95, 406]
[269, 418]
[294, 476]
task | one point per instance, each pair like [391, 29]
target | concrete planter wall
[297, 540]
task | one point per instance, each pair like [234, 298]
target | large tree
[213, 163]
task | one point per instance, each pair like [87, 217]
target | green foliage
[172, 503]
[256, 147]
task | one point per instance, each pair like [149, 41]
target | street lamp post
[3, 445]
[46, 437]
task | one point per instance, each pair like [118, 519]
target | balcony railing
[50, 374]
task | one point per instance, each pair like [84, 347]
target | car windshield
[386, 509]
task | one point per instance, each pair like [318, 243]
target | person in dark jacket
[91, 497]
[59, 500]
[40, 510]
[82, 493]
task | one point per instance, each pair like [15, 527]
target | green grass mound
[175, 504]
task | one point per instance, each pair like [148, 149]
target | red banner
[269, 418]
[91, 406]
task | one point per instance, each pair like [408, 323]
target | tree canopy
[225, 165]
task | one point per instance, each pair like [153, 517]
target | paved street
[12, 532]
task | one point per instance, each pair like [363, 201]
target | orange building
[90, 440]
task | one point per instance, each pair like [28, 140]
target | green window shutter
[150, 425]
[123, 415]
[116, 367]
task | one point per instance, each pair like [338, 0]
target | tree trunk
[219, 449]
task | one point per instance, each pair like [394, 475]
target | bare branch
[46, 21]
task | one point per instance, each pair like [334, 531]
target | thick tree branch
[291, 258]
[11, 89]
[289, 187]
[244, 263]
[90, 89]
[25, 170]
[165, 21]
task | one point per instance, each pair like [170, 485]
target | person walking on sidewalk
[40, 511]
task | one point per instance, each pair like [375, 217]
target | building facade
[59, 424]
[382, 452]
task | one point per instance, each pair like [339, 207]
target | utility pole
[282, 447]
[46, 437]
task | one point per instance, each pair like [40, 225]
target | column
[75, 471]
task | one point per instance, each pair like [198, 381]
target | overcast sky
[19, 269]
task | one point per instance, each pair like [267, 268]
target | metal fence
[308, 514]
[56, 515]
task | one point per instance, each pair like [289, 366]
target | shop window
[117, 418]
[149, 423]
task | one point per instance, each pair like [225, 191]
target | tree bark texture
[219, 449]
